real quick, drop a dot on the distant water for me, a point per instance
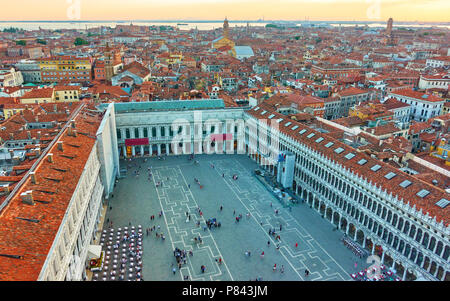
(186, 25)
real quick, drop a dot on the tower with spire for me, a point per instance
(226, 29)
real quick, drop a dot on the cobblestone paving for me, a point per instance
(136, 199)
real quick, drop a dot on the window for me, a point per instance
(350, 156)
(329, 144)
(423, 193)
(376, 167)
(390, 175)
(338, 150)
(362, 162)
(442, 203)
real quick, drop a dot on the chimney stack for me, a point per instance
(27, 197)
(33, 177)
(39, 135)
(6, 188)
(11, 136)
(60, 145)
(50, 158)
(73, 123)
(29, 134)
(74, 132)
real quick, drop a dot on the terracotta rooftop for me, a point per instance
(32, 240)
(409, 194)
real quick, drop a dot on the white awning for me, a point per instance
(94, 251)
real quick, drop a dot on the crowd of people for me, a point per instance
(123, 257)
(375, 273)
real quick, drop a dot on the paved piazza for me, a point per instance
(136, 199)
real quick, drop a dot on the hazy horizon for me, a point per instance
(237, 10)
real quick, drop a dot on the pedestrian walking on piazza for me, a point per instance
(274, 267)
(268, 243)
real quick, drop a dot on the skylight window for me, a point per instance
(338, 150)
(405, 183)
(310, 135)
(271, 116)
(302, 132)
(263, 112)
(256, 109)
(288, 124)
(362, 161)
(390, 175)
(319, 140)
(329, 144)
(443, 203)
(279, 120)
(376, 167)
(295, 127)
(350, 156)
(423, 193)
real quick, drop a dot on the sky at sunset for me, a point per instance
(345, 10)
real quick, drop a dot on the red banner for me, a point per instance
(221, 137)
(136, 142)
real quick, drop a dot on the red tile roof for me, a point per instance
(31, 240)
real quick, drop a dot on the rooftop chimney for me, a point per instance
(33, 177)
(73, 123)
(6, 188)
(50, 158)
(39, 135)
(29, 134)
(27, 197)
(60, 145)
(74, 132)
(11, 136)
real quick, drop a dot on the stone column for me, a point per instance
(133, 151)
(167, 148)
(142, 150)
(159, 149)
(404, 273)
(382, 256)
(124, 151)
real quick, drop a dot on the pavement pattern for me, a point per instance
(307, 241)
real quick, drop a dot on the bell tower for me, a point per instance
(226, 29)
